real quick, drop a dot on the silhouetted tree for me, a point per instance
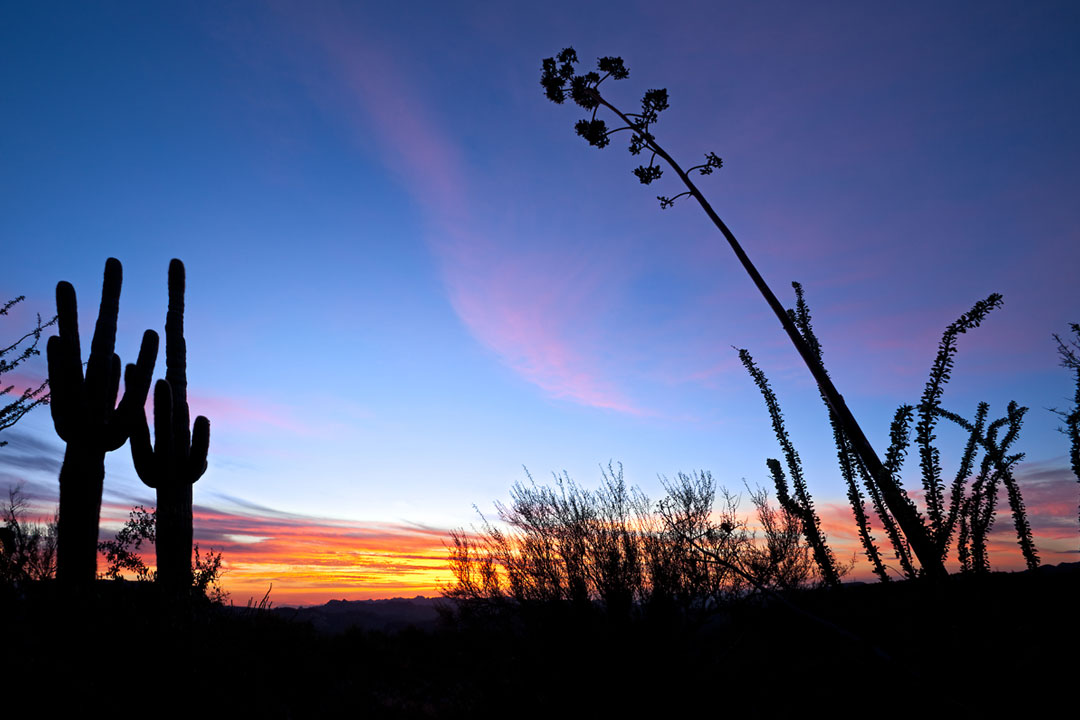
(696, 546)
(27, 548)
(88, 419)
(559, 81)
(12, 357)
(141, 527)
(122, 552)
(783, 560)
(1069, 352)
(178, 457)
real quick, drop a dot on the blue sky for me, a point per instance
(407, 277)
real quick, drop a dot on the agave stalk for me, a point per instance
(558, 80)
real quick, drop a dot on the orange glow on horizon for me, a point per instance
(311, 560)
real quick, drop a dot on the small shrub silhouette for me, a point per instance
(122, 552)
(27, 548)
(559, 81)
(178, 457)
(141, 527)
(88, 419)
(614, 551)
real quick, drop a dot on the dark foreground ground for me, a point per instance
(986, 646)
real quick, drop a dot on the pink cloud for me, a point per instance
(244, 412)
(20, 382)
(386, 101)
(522, 307)
(534, 317)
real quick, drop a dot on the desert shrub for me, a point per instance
(123, 559)
(614, 551)
(27, 548)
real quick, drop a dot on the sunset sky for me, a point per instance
(407, 278)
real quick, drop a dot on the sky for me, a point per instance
(408, 280)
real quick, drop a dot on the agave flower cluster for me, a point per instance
(559, 81)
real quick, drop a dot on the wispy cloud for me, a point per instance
(533, 315)
(531, 309)
(245, 412)
(27, 451)
(308, 559)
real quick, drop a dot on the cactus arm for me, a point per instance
(63, 385)
(104, 341)
(164, 446)
(176, 357)
(139, 376)
(142, 452)
(200, 447)
(67, 315)
(100, 363)
(112, 390)
(137, 379)
(65, 363)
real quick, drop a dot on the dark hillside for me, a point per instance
(966, 646)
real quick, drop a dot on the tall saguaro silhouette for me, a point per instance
(178, 456)
(88, 419)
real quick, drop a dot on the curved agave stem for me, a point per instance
(905, 514)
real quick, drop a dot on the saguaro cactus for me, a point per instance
(178, 456)
(87, 418)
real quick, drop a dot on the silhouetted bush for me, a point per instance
(614, 552)
(124, 561)
(27, 548)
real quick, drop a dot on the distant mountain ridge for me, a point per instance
(390, 615)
